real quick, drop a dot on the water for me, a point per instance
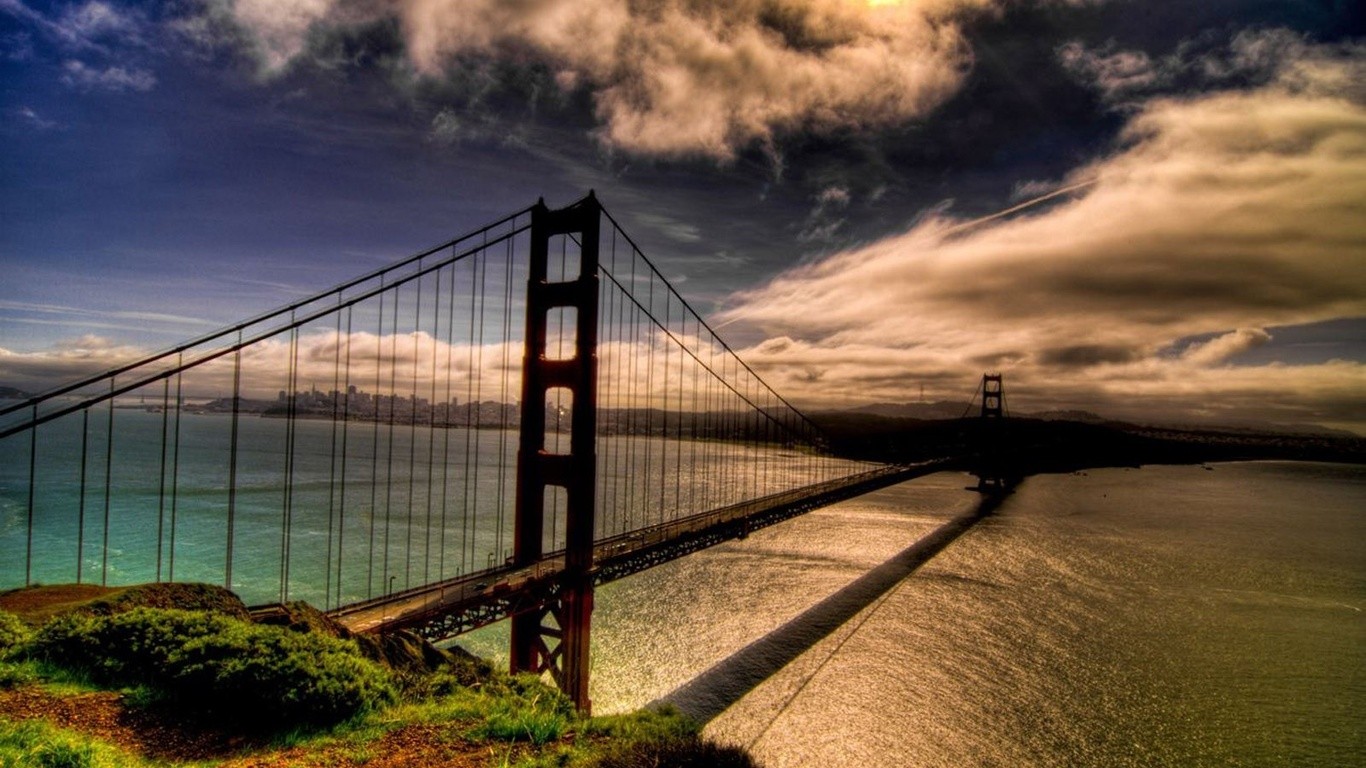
(1164, 616)
(353, 511)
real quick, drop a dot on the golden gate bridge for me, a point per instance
(506, 421)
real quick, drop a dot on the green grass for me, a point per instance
(36, 744)
(15, 675)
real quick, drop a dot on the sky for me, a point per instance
(1152, 210)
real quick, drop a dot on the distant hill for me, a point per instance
(1253, 427)
(1083, 417)
(1053, 445)
(947, 409)
(942, 409)
(10, 393)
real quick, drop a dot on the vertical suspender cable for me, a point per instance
(232, 459)
(335, 396)
(503, 475)
(693, 474)
(108, 486)
(32, 478)
(161, 484)
(471, 415)
(431, 430)
(478, 396)
(291, 410)
(345, 442)
(175, 465)
(80, 514)
(392, 399)
(450, 410)
(412, 437)
(374, 446)
(664, 414)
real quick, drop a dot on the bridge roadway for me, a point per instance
(449, 608)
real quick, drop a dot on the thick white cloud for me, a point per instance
(280, 26)
(647, 370)
(66, 361)
(1235, 210)
(681, 77)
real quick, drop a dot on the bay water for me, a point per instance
(1117, 617)
(1163, 616)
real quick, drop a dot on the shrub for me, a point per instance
(279, 676)
(460, 671)
(263, 676)
(126, 648)
(13, 633)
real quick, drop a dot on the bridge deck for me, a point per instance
(454, 606)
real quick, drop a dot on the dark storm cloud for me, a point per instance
(1084, 355)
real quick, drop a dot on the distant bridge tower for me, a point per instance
(992, 465)
(992, 396)
(570, 604)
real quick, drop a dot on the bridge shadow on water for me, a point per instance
(712, 692)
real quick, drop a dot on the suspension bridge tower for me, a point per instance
(559, 647)
(992, 465)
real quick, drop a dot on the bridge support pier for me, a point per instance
(559, 647)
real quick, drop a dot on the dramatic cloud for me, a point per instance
(680, 77)
(435, 369)
(1237, 210)
(78, 75)
(86, 24)
(280, 26)
(66, 361)
(825, 220)
(1223, 348)
(1113, 72)
(1251, 57)
(92, 25)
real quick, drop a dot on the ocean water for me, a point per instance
(1164, 616)
(1181, 616)
(354, 510)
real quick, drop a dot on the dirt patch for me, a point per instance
(38, 604)
(103, 714)
(35, 605)
(412, 746)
